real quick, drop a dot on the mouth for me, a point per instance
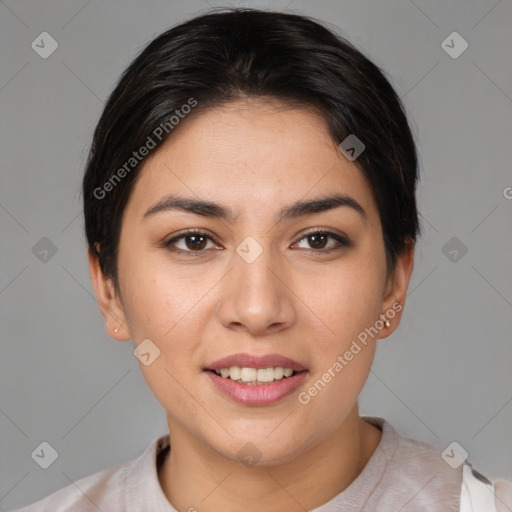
(256, 380)
(255, 376)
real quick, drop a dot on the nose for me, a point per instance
(257, 296)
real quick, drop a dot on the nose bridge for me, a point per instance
(257, 297)
(253, 263)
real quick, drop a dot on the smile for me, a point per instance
(253, 392)
(256, 380)
(255, 376)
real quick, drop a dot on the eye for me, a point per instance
(318, 240)
(193, 241)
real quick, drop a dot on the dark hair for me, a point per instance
(226, 55)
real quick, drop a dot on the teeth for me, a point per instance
(235, 372)
(247, 375)
(278, 373)
(264, 375)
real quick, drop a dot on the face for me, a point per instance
(254, 281)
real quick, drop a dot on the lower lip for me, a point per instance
(258, 394)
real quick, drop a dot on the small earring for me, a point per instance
(116, 329)
(387, 323)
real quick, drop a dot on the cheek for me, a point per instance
(346, 301)
(345, 306)
(342, 353)
(159, 297)
(172, 317)
(171, 310)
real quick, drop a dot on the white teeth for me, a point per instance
(246, 375)
(235, 372)
(264, 375)
(278, 373)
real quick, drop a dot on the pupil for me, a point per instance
(196, 245)
(315, 244)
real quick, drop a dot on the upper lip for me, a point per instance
(250, 361)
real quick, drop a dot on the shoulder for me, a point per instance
(421, 475)
(416, 476)
(104, 490)
(87, 493)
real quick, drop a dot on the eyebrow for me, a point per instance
(213, 210)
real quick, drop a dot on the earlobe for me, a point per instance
(108, 302)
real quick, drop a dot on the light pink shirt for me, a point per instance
(403, 474)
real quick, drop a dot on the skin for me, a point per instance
(254, 157)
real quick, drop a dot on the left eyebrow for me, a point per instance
(213, 210)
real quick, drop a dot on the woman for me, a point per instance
(250, 214)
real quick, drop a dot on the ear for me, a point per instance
(396, 290)
(108, 301)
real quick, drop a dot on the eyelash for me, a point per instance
(342, 241)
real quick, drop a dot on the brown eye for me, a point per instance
(191, 242)
(194, 242)
(318, 241)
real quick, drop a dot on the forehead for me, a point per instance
(250, 154)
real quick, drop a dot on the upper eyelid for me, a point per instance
(174, 238)
(312, 231)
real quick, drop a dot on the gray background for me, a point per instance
(445, 374)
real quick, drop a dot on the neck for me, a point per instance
(193, 476)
